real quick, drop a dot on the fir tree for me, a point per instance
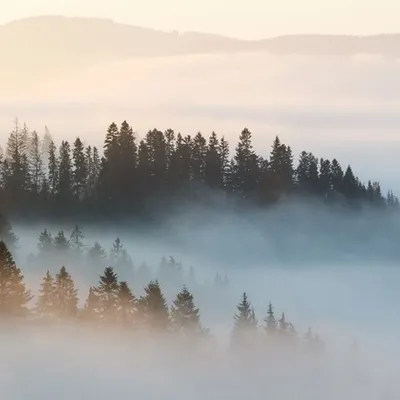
(270, 320)
(66, 295)
(107, 291)
(6, 233)
(92, 306)
(245, 322)
(154, 307)
(53, 173)
(14, 296)
(80, 173)
(45, 243)
(36, 163)
(76, 240)
(185, 317)
(45, 305)
(61, 243)
(126, 303)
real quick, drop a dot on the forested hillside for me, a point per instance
(131, 177)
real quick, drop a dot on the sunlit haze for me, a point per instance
(250, 19)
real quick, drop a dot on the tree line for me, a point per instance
(111, 303)
(40, 178)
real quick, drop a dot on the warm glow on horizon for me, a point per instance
(251, 19)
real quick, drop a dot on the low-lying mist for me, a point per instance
(330, 269)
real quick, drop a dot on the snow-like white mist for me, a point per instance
(329, 269)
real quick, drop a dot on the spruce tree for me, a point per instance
(185, 317)
(91, 309)
(76, 240)
(270, 321)
(126, 303)
(154, 308)
(53, 168)
(46, 302)
(45, 243)
(66, 295)
(107, 292)
(97, 255)
(6, 233)
(61, 243)
(36, 163)
(14, 296)
(80, 172)
(245, 322)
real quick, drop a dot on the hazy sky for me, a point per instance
(247, 19)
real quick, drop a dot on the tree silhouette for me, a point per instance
(66, 295)
(46, 301)
(154, 308)
(14, 296)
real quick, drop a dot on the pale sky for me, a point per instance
(238, 18)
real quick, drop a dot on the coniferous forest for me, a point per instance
(130, 177)
(96, 289)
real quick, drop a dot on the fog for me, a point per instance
(343, 107)
(332, 270)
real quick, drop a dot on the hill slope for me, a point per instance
(44, 46)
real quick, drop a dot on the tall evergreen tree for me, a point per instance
(185, 317)
(36, 170)
(14, 296)
(92, 306)
(6, 233)
(107, 291)
(271, 325)
(45, 243)
(66, 295)
(65, 173)
(126, 303)
(76, 240)
(245, 322)
(53, 169)
(80, 172)
(46, 302)
(61, 243)
(154, 308)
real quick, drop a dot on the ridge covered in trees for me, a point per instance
(41, 178)
(111, 303)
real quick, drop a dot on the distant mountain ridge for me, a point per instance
(42, 45)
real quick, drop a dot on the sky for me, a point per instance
(242, 19)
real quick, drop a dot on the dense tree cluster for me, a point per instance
(38, 177)
(111, 303)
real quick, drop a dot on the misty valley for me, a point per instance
(172, 266)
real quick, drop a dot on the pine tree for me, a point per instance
(45, 306)
(154, 308)
(92, 306)
(270, 321)
(213, 172)
(97, 255)
(245, 322)
(53, 169)
(185, 317)
(76, 240)
(45, 243)
(14, 296)
(61, 243)
(107, 291)
(116, 251)
(36, 170)
(17, 158)
(65, 172)
(80, 173)
(66, 295)
(126, 303)
(6, 233)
